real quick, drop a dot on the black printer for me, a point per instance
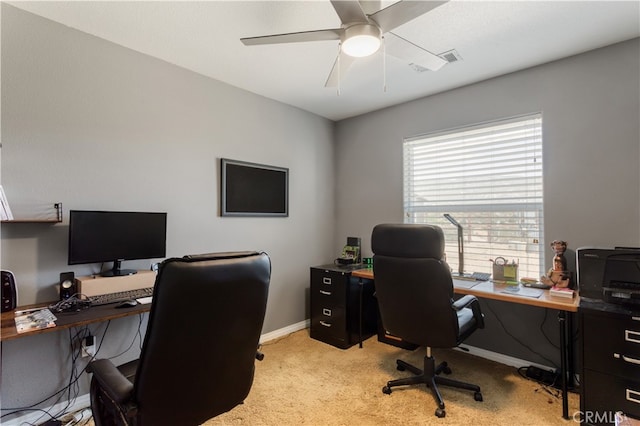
(610, 275)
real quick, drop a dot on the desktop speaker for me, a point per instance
(68, 285)
(9, 291)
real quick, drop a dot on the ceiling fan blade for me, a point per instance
(349, 11)
(411, 53)
(370, 6)
(319, 35)
(402, 12)
(334, 76)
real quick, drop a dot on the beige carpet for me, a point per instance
(302, 381)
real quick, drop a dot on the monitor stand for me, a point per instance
(117, 271)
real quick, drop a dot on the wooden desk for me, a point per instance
(69, 319)
(490, 290)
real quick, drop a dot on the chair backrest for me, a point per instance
(413, 285)
(198, 355)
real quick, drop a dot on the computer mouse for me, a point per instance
(127, 304)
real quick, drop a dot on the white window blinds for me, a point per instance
(489, 179)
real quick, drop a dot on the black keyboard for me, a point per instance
(121, 296)
(481, 276)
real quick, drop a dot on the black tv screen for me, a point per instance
(249, 189)
(114, 236)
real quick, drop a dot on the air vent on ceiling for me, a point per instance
(451, 56)
(417, 68)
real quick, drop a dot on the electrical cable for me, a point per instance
(546, 315)
(72, 388)
(57, 394)
(516, 339)
(73, 380)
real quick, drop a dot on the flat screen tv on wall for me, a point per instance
(249, 189)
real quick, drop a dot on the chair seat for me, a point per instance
(128, 370)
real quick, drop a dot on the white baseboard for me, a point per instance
(284, 331)
(501, 358)
(83, 400)
(37, 417)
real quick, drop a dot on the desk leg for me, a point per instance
(562, 320)
(361, 285)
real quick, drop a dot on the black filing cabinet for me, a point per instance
(343, 309)
(610, 378)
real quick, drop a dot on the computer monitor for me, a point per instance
(114, 236)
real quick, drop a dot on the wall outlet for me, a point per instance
(89, 346)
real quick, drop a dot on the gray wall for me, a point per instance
(591, 132)
(93, 125)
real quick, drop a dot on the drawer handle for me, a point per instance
(635, 393)
(326, 312)
(631, 360)
(629, 333)
(326, 280)
(326, 293)
(326, 324)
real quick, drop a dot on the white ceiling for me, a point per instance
(492, 38)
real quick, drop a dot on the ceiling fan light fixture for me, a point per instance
(361, 40)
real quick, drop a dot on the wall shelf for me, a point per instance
(57, 219)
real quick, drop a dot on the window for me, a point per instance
(489, 179)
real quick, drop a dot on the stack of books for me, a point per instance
(565, 292)
(5, 211)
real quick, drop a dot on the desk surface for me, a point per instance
(69, 319)
(491, 290)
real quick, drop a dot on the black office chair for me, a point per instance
(414, 289)
(197, 359)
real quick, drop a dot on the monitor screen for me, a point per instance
(114, 236)
(249, 189)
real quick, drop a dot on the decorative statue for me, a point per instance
(558, 276)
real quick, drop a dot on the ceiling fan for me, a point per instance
(362, 34)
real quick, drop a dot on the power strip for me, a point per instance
(549, 378)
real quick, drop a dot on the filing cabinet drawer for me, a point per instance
(329, 287)
(328, 295)
(329, 326)
(604, 394)
(331, 321)
(613, 344)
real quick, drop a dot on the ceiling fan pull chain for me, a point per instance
(338, 65)
(384, 65)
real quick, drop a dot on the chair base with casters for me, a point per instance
(429, 376)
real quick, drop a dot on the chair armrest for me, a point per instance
(111, 380)
(469, 301)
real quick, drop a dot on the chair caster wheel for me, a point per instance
(386, 390)
(477, 396)
(446, 370)
(440, 413)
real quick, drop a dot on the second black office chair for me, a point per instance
(198, 356)
(414, 289)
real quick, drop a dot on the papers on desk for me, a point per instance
(464, 283)
(144, 300)
(35, 320)
(522, 291)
